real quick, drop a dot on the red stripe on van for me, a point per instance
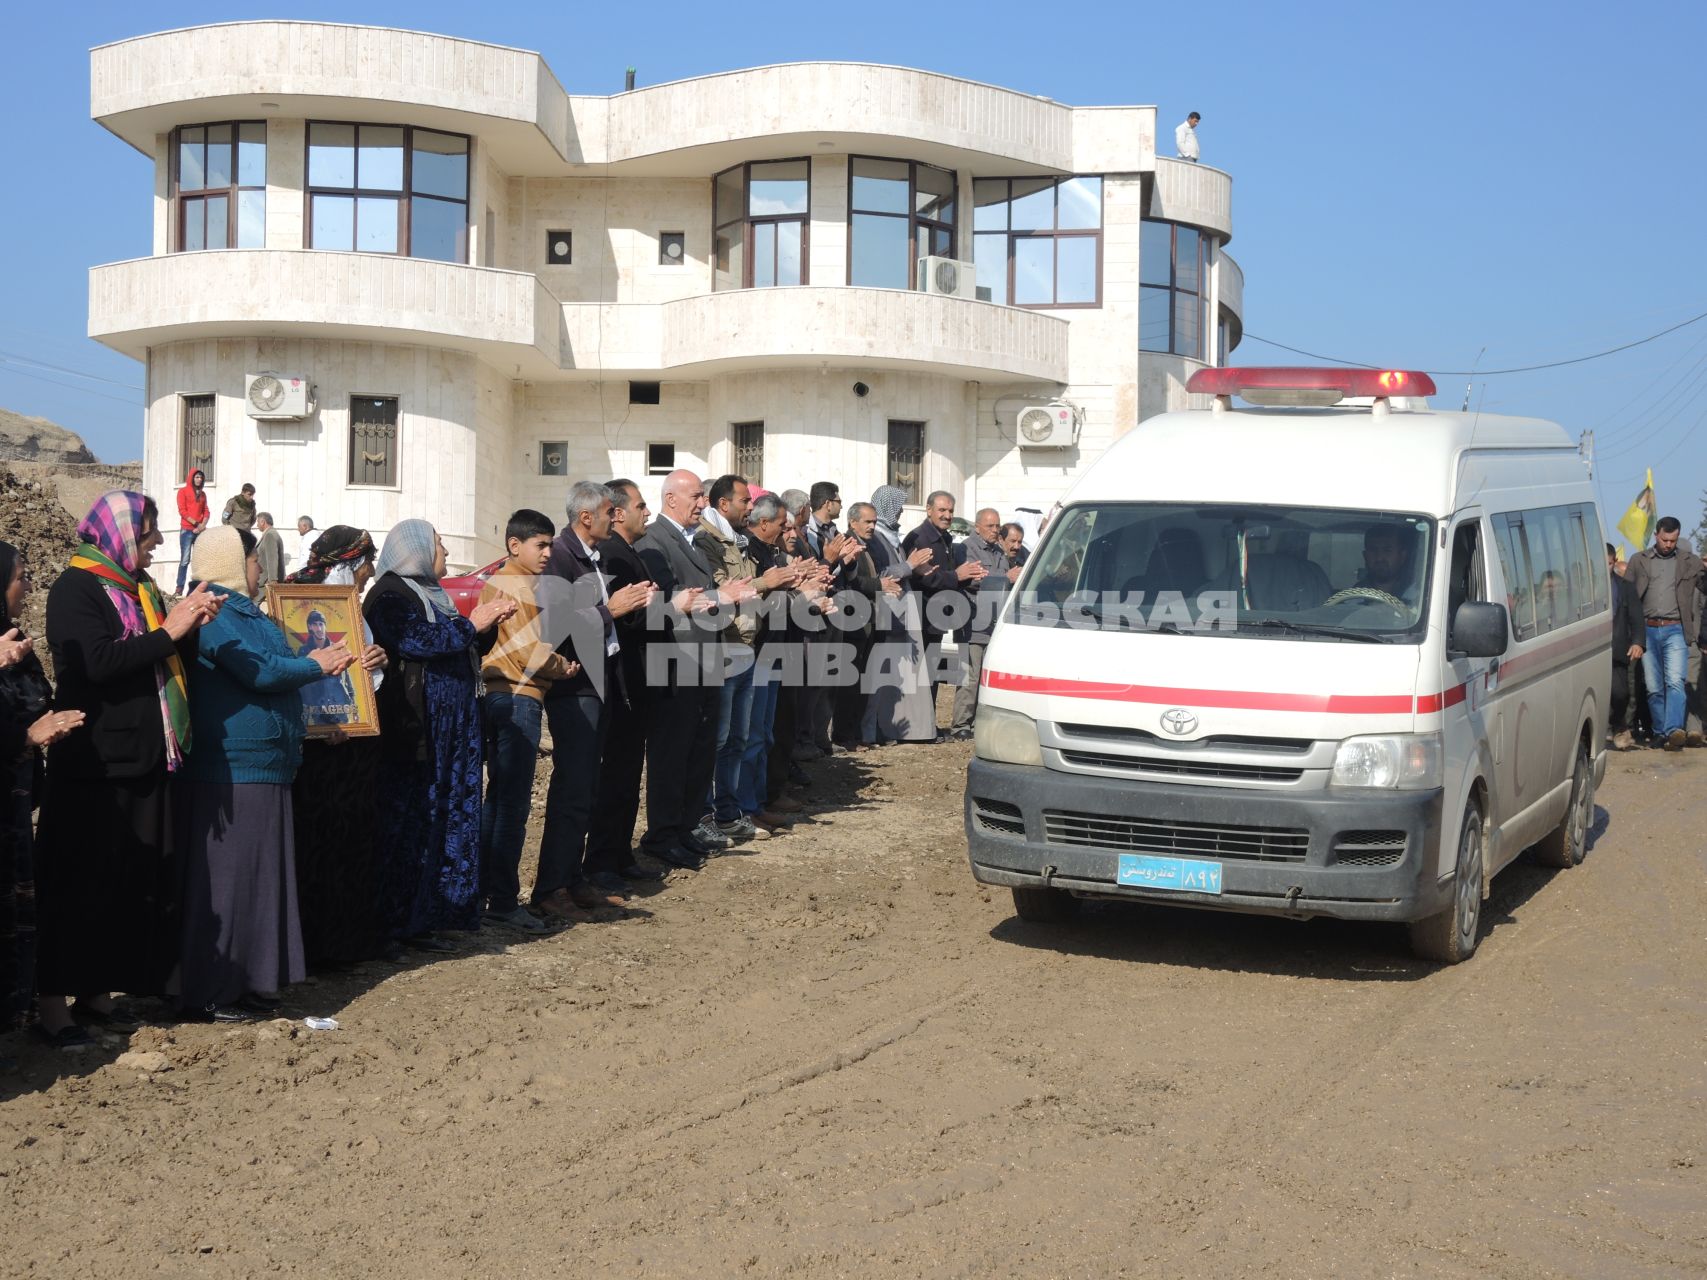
(1234, 699)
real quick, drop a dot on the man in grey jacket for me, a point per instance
(984, 548)
(1665, 579)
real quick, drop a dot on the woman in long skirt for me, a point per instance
(428, 788)
(241, 940)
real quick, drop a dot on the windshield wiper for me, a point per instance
(1317, 629)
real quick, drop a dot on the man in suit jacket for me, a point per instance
(681, 738)
(1629, 632)
(860, 578)
(576, 709)
(940, 580)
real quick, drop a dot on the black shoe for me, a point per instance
(798, 776)
(704, 849)
(68, 1038)
(634, 873)
(427, 942)
(961, 735)
(218, 1013)
(610, 882)
(678, 856)
(120, 1018)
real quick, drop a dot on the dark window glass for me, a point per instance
(406, 190)
(199, 436)
(750, 451)
(219, 158)
(373, 440)
(1188, 251)
(660, 459)
(1173, 265)
(906, 457)
(644, 392)
(933, 193)
(220, 185)
(554, 458)
(672, 248)
(559, 248)
(1156, 253)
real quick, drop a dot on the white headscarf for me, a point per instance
(411, 548)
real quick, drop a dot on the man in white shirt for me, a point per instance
(1185, 138)
(296, 551)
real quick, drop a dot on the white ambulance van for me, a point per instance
(1330, 654)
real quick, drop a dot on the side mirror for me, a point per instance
(1479, 630)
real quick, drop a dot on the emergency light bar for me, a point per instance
(1308, 387)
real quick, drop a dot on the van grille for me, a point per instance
(1369, 848)
(1186, 768)
(999, 816)
(1187, 839)
(1143, 737)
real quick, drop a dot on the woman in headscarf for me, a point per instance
(428, 789)
(108, 881)
(900, 709)
(241, 940)
(28, 723)
(337, 884)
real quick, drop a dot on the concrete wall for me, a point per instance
(615, 225)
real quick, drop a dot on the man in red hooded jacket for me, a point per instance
(192, 519)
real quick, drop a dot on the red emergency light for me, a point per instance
(1305, 386)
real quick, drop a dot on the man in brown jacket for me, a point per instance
(1665, 579)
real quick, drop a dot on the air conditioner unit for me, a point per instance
(1047, 426)
(946, 275)
(277, 396)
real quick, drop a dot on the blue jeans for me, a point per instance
(512, 749)
(1664, 664)
(734, 714)
(750, 791)
(186, 540)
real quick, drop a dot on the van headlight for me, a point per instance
(1005, 737)
(1393, 762)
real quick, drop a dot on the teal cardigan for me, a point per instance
(245, 711)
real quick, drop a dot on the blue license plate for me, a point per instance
(1184, 875)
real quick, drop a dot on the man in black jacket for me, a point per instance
(1627, 626)
(940, 581)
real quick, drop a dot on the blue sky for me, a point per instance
(1412, 185)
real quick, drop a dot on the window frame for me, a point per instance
(914, 491)
(181, 198)
(660, 469)
(187, 457)
(740, 450)
(1206, 341)
(540, 467)
(396, 482)
(748, 221)
(912, 218)
(1055, 234)
(405, 195)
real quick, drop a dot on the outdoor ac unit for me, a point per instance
(1046, 426)
(945, 275)
(277, 395)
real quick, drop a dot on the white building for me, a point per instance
(489, 286)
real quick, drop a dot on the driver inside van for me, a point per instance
(1387, 561)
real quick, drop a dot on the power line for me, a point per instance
(13, 357)
(1486, 373)
(69, 386)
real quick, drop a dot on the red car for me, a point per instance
(465, 591)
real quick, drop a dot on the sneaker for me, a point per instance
(738, 830)
(517, 917)
(961, 735)
(1675, 740)
(707, 834)
(1623, 740)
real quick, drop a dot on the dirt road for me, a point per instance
(837, 1056)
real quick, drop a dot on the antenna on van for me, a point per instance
(1472, 379)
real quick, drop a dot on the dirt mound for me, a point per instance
(38, 439)
(33, 519)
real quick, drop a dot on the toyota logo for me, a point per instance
(1178, 721)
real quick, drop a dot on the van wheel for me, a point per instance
(1451, 935)
(1567, 844)
(1044, 906)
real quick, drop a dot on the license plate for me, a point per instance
(1184, 875)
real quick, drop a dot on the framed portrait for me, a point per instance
(317, 617)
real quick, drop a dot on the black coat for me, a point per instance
(569, 561)
(623, 567)
(1629, 626)
(936, 577)
(110, 678)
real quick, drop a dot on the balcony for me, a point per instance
(1194, 194)
(506, 316)
(808, 327)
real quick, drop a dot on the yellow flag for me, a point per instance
(1638, 521)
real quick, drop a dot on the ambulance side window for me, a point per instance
(1468, 580)
(1514, 569)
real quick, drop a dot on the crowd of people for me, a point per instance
(1659, 599)
(194, 845)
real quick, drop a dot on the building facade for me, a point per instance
(460, 287)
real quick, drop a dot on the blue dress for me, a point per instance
(428, 783)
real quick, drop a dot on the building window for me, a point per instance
(750, 451)
(898, 212)
(382, 188)
(759, 224)
(559, 248)
(199, 433)
(644, 392)
(373, 440)
(672, 248)
(906, 456)
(1173, 272)
(554, 458)
(1037, 242)
(219, 185)
(660, 459)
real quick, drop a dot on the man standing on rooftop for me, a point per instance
(1185, 138)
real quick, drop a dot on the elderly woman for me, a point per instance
(241, 941)
(107, 873)
(337, 885)
(428, 788)
(900, 709)
(27, 724)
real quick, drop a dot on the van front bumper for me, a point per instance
(1358, 857)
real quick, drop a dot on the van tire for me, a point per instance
(1567, 844)
(1044, 906)
(1450, 936)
